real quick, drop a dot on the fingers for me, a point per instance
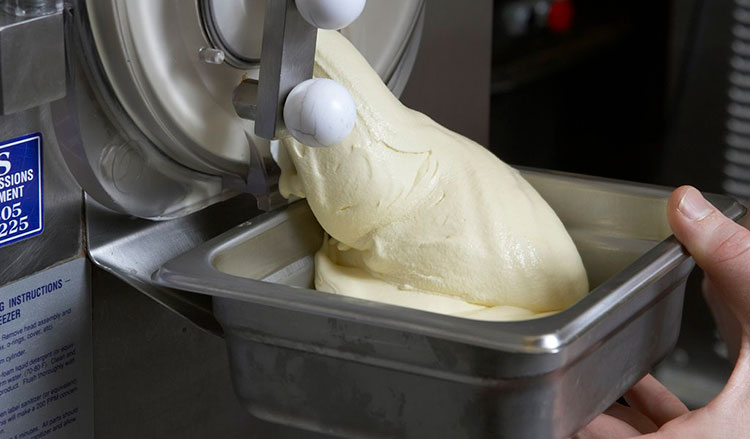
(719, 245)
(651, 398)
(735, 397)
(607, 427)
(632, 417)
(726, 321)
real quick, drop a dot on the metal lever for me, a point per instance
(287, 58)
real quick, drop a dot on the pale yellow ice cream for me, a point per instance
(422, 217)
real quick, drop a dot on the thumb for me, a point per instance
(720, 246)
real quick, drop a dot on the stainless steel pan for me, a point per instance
(354, 368)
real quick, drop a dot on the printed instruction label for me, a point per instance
(46, 370)
(21, 193)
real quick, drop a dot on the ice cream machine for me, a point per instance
(137, 103)
(154, 284)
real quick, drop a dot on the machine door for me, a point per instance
(148, 127)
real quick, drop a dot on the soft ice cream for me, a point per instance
(422, 217)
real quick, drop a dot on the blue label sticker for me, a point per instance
(21, 194)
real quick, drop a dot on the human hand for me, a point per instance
(722, 249)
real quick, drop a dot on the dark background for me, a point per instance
(592, 100)
(639, 91)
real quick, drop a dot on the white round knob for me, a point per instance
(330, 14)
(319, 112)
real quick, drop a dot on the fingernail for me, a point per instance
(694, 206)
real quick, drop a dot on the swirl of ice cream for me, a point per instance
(423, 217)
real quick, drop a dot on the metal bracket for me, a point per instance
(32, 61)
(288, 56)
(133, 249)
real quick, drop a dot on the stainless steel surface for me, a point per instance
(245, 99)
(288, 56)
(450, 80)
(357, 368)
(146, 54)
(156, 376)
(31, 8)
(162, 149)
(63, 203)
(120, 168)
(61, 241)
(236, 28)
(32, 61)
(263, 178)
(110, 157)
(132, 249)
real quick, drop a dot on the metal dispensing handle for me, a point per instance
(287, 58)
